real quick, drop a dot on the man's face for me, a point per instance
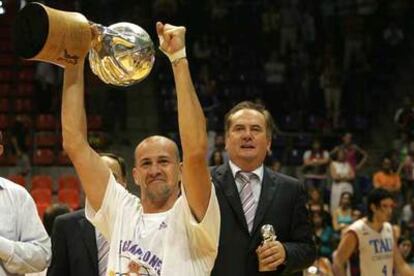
(383, 212)
(157, 169)
(116, 170)
(386, 165)
(347, 139)
(405, 248)
(246, 140)
(219, 141)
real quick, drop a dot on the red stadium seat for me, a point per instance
(42, 198)
(46, 139)
(70, 197)
(42, 182)
(45, 122)
(68, 182)
(43, 157)
(19, 179)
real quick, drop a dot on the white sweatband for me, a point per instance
(174, 57)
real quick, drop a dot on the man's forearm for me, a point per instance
(192, 123)
(74, 129)
(25, 257)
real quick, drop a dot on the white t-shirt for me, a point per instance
(376, 255)
(168, 243)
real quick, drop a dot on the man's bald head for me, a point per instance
(157, 141)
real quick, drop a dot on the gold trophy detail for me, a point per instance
(121, 54)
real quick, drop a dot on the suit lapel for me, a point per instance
(89, 238)
(268, 191)
(225, 180)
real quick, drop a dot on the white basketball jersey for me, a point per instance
(375, 249)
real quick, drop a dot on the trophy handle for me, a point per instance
(46, 34)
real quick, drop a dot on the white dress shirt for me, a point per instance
(24, 244)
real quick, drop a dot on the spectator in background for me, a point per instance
(353, 154)
(276, 165)
(322, 266)
(387, 178)
(404, 117)
(407, 216)
(342, 175)
(24, 243)
(406, 171)
(216, 158)
(89, 257)
(289, 27)
(275, 70)
(219, 145)
(405, 245)
(315, 162)
(331, 83)
(316, 203)
(342, 216)
(51, 213)
(325, 234)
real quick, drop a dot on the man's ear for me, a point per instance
(1, 150)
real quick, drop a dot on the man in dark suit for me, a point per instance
(75, 241)
(251, 195)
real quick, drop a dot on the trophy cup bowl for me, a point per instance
(121, 54)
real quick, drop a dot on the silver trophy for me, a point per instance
(121, 54)
(312, 271)
(268, 235)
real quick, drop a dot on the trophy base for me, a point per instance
(50, 35)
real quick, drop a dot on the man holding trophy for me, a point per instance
(173, 228)
(265, 227)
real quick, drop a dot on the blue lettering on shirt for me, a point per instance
(381, 245)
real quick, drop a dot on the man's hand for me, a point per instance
(271, 254)
(172, 40)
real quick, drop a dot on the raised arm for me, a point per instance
(192, 124)
(93, 173)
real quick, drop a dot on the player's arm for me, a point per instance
(93, 173)
(192, 123)
(347, 246)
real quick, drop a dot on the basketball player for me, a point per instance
(374, 238)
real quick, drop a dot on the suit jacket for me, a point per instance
(282, 204)
(74, 251)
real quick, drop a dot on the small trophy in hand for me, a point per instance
(268, 235)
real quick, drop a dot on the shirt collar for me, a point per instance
(258, 171)
(2, 186)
